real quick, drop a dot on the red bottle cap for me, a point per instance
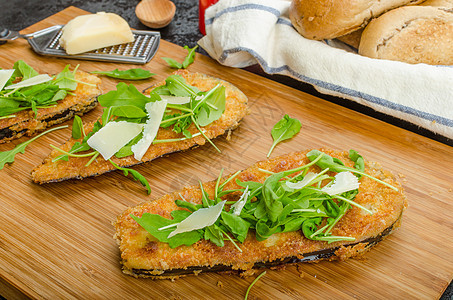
(203, 5)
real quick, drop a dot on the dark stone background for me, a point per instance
(183, 30)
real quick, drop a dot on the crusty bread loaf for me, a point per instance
(412, 34)
(352, 39)
(327, 19)
(448, 4)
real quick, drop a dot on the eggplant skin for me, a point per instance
(236, 107)
(25, 122)
(143, 256)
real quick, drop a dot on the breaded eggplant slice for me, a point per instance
(74, 168)
(25, 122)
(144, 256)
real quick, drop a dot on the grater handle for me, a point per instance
(8, 35)
(3, 33)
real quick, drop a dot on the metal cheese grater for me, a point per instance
(46, 42)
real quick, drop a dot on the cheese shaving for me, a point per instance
(344, 182)
(175, 99)
(38, 79)
(155, 112)
(239, 205)
(113, 136)
(199, 219)
(5, 75)
(308, 178)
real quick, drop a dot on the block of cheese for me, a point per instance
(90, 32)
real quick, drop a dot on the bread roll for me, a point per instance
(328, 19)
(412, 34)
(448, 4)
(352, 39)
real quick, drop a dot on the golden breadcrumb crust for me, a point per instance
(235, 110)
(83, 100)
(140, 251)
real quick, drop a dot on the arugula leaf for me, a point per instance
(152, 223)
(80, 147)
(214, 234)
(185, 238)
(252, 284)
(190, 56)
(130, 74)
(7, 157)
(22, 69)
(135, 175)
(285, 129)
(359, 161)
(77, 147)
(327, 161)
(178, 86)
(237, 225)
(107, 114)
(172, 63)
(124, 95)
(214, 108)
(128, 111)
(271, 203)
(96, 127)
(310, 226)
(263, 231)
(336, 165)
(293, 224)
(66, 80)
(60, 95)
(252, 185)
(8, 104)
(77, 127)
(188, 60)
(127, 149)
(186, 205)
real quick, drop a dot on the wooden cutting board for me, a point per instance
(56, 239)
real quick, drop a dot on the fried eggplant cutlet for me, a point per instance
(82, 100)
(284, 218)
(169, 139)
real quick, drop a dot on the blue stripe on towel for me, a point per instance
(341, 89)
(272, 10)
(284, 21)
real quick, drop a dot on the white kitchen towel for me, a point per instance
(241, 33)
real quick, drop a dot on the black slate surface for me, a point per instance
(183, 30)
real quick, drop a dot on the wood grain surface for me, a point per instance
(56, 239)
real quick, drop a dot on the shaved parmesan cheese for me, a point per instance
(175, 99)
(239, 205)
(199, 219)
(303, 183)
(343, 182)
(113, 136)
(38, 79)
(155, 112)
(5, 75)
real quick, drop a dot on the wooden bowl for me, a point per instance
(155, 13)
